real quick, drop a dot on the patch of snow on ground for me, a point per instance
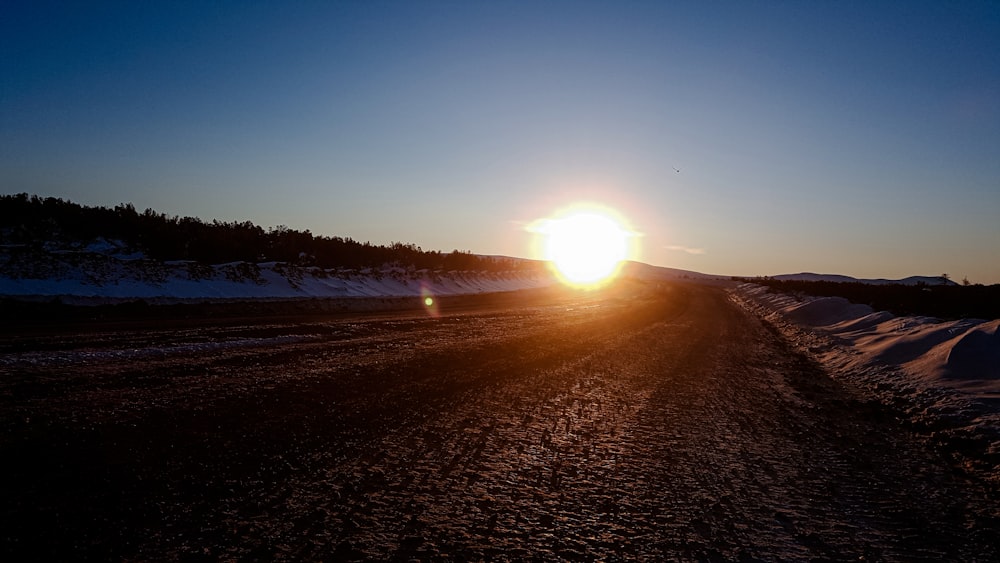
(943, 377)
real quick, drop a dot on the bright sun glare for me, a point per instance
(586, 245)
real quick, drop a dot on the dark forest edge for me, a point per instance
(941, 301)
(30, 221)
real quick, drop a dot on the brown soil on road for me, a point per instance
(655, 424)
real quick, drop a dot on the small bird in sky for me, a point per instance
(676, 169)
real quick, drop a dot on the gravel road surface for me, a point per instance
(641, 424)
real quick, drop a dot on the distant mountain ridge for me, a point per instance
(912, 280)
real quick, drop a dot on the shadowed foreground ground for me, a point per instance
(666, 424)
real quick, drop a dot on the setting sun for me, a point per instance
(586, 245)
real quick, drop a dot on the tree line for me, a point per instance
(30, 220)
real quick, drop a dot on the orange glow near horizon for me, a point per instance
(585, 244)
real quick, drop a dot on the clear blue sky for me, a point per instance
(860, 138)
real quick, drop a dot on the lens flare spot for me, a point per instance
(427, 299)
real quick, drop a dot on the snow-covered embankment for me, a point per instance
(943, 377)
(92, 276)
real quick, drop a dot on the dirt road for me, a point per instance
(664, 424)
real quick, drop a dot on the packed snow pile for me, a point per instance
(105, 272)
(944, 376)
(962, 354)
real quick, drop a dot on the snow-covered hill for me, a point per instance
(648, 272)
(106, 271)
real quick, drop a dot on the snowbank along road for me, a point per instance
(649, 424)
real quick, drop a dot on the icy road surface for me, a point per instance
(666, 424)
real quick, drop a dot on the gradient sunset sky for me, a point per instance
(859, 138)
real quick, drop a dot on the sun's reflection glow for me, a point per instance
(586, 244)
